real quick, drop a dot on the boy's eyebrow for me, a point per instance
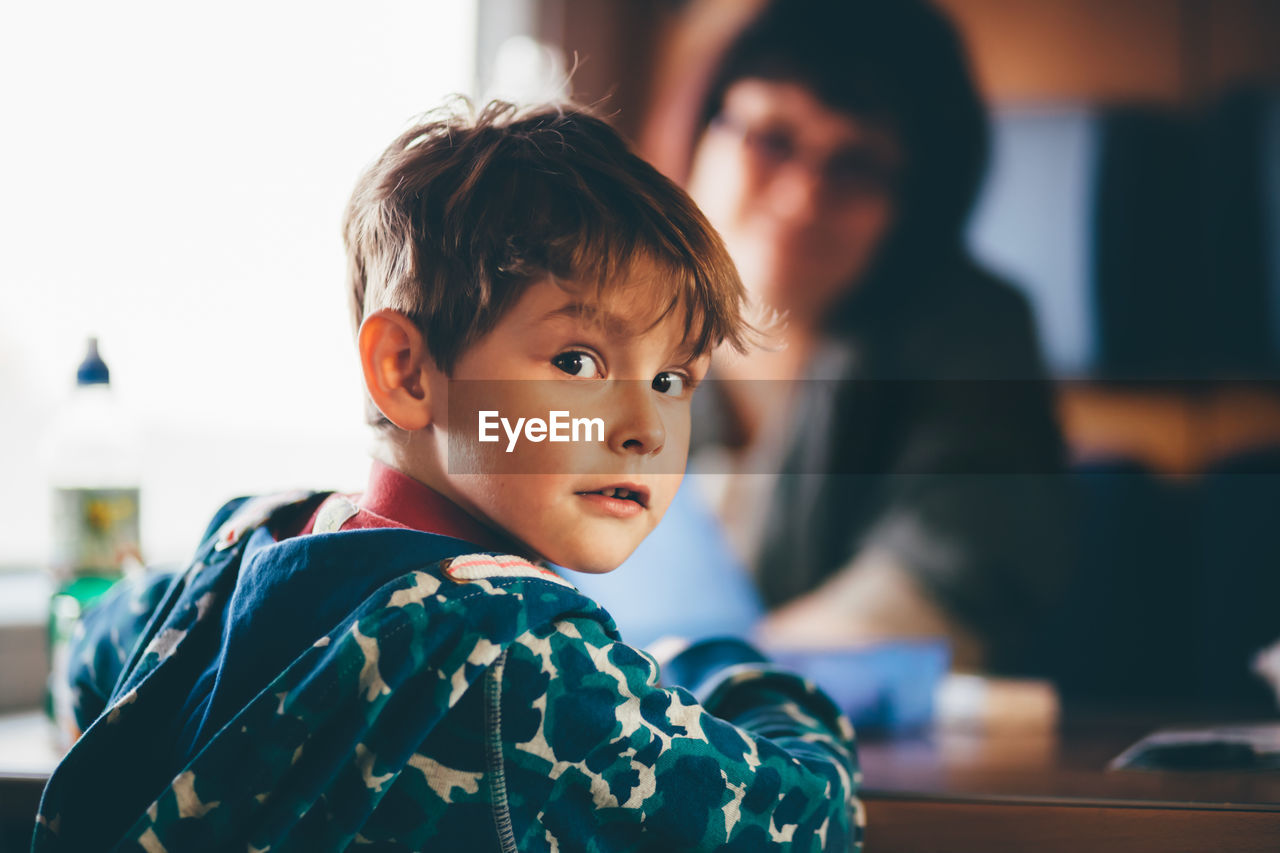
(613, 324)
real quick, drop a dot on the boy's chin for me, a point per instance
(598, 563)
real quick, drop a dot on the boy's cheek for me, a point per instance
(664, 492)
(527, 427)
(562, 532)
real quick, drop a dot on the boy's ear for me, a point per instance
(396, 363)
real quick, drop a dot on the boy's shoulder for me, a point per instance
(419, 636)
(427, 558)
(379, 575)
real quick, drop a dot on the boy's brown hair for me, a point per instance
(462, 212)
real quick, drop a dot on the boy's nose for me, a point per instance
(639, 428)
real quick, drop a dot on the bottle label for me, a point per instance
(95, 531)
(65, 608)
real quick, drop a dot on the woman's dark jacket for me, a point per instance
(926, 428)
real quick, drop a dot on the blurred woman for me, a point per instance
(906, 456)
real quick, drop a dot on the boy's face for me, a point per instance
(561, 350)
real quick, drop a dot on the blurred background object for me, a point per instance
(95, 458)
(174, 181)
(1175, 107)
(884, 492)
(1133, 195)
(173, 184)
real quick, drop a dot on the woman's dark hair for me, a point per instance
(897, 62)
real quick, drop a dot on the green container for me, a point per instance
(65, 608)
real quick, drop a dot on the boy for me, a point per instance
(396, 669)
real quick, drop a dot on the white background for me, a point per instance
(172, 179)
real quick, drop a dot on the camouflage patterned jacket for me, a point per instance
(471, 702)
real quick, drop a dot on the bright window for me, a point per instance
(172, 179)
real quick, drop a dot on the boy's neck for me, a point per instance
(403, 459)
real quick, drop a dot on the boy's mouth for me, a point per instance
(626, 492)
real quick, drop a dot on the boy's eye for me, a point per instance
(667, 382)
(576, 363)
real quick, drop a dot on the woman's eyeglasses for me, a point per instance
(848, 172)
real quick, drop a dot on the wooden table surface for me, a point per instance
(998, 791)
(944, 791)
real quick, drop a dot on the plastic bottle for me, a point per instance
(95, 461)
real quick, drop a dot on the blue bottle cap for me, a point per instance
(93, 370)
